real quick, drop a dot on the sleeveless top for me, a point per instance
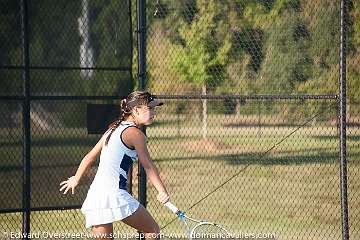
(116, 158)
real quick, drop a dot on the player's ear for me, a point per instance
(136, 110)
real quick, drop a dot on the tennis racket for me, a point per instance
(200, 229)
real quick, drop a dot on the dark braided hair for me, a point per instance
(135, 98)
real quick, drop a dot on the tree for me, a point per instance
(322, 19)
(353, 58)
(287, 61)
(163, 35)
(201, 59)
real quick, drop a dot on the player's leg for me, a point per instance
(144, 223)
(103, 231)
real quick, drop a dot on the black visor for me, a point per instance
(150, 101)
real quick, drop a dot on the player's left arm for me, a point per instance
(85, 164)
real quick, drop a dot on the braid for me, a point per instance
(125, 111)
(112, 128)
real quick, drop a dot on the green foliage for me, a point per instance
(10, 48)
(353, 77)
(355, 15)
(202, 58)
(254, 47)
(51, 42)
(10, 36)
(322, 18)
(54, 41)
(239, 47)
(181, 12)
(110, 38)
(286, 61)
(353, 59)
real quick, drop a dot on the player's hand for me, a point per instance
(163, 197)
(71, 183)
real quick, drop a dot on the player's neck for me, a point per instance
(130, 119)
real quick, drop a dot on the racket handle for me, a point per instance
(172, 207)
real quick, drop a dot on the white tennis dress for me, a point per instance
(107, 199)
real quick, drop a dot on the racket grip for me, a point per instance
(172, 207)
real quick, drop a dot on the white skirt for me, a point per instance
(104, 206)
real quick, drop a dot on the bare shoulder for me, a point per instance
(133, 132)
(133, 136)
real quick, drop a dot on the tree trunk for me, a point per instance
(86, 52)
(348, 111)
(237, 108)
(204, 113)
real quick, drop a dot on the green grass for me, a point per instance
(292, 191)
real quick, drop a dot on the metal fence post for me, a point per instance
(26, 121)
(141, 33)
(342, 120)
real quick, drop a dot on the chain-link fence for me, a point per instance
(248, 137)
(250, 134)
(56, 57)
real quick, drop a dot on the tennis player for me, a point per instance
(107, 200)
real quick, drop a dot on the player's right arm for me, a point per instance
(133, 137)
(85, 164)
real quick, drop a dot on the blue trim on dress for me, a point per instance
(125, 165)
(122, 183)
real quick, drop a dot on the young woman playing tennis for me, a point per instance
(107, 199)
